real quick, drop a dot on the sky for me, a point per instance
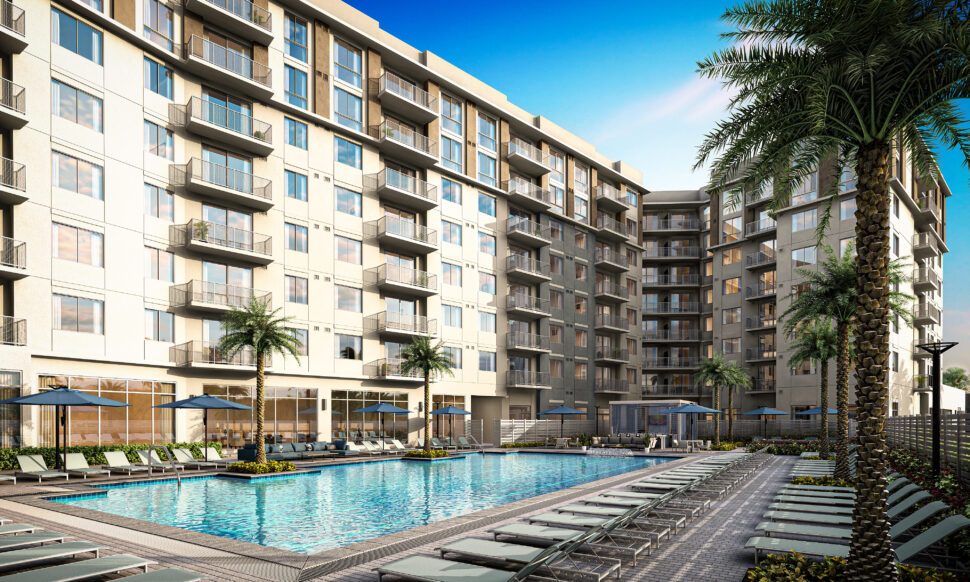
(624, 79)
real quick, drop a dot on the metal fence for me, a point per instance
(529, 431)
(916, 433)
(782, 427)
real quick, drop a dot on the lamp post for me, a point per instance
(936, 349)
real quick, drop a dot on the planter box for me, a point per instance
(264, 475)
(427, 460)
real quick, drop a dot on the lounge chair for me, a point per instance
(8, 478)
(633, 494)
(151, 460)
(213, 456)
(184, 457)
(902, 492)
(598, 568)
(465, 444)
(17, 528)
(801, 516)
(906, 504)
(844, 533)
(31, 556)
(436, 444)
(917, 517)
(34, 466)
(810, 493)
(397, 445)
(118, 463)
(81, 569)
(814, 500)
(76, 464)
(365, 451)
(29, 539)
(896, 484)
(821, 488)
(165, 575)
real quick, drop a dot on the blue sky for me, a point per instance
(622, 77)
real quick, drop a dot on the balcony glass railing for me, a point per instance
(390, 178)
(245, 10)
(406, 276)
(529, 341)
(217, 294)
(13, 174)
(759, 258)
(396, 226)
(229, 119)
(407, 90)
(527, 302)
(228, 60)
(230, 178)
(527, 150)
(404, 135)
(199, 352)
(672, 252)
(523, 263)
(526, 378)
(405, 323)
(521, 187)
(611, 224)
(759, 226)
(671, 280)
(527, 227)
(13, 331)
(221, 235)
(614, 321)
(12, 17)
(682, 335)
(608, 255)
(671, 224)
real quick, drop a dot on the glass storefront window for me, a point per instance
(290, 415)
(345, 422)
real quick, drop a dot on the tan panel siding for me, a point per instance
(593, 206)
(261, 54)
(471, 141)
(321, 67)
(504, 136)
(544, 180)
(124, 12)
(570, 201)
(432, 129)
(191, 25)
(371, 88)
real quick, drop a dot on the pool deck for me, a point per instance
(707, 550)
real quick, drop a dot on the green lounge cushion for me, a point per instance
(539, 532)
(809, 517)
(601, 500)
(41, 537)
(801, 546)
(592, 510)
(633, 494)
(164, 575)
(41, 553)
(492, 549)
(80, 570)
(818, 531)
(571, 520)
(438, 570)
(815, 500)
(16, 528)
(810, 508)
(817, 493)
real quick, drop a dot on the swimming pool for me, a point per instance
(345, 504)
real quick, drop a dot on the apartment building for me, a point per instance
(741, 263)
(165, 162)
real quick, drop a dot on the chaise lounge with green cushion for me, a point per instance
(151, 460)
(805, 517)
(38, 554)
(837, 501)
(211, 455)
(76, 464)
(35, 466)
(165, 575)
(844, 533)
(184, 457)
(633, 494)
(28, 539)
(816, 493)
(589, 567)
(81, 569)
(17, 528)
(906, 504)
(822, 488)
(118, 463)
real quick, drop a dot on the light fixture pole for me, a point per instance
(936, 349)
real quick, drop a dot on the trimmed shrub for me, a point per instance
(432, 454)
(825, 481)
(726, 446)
(517, 445)
(784, 447)
(798, 568)
(818, 458)
(95, 454)
(262, 468)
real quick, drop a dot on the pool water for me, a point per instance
(345, 504)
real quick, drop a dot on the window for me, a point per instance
(580, 305)
(159, 265)
(348, 250)
(803, 369)
(895, 408)
(555, 334)
(731, 256)
(159, 326)
(731, 201)
(75, 36)
(296, 289)
(77, 245)
(451, 153)
(347, 63)
(486, 361)
(487, 133)
(76, 106)
(486, 322)
(580, 371)
(158, 78)
(450, 191)
(732, 315)
(78, 314)
(486, 283)
(451, 274)
(555, 299)
(731, 345)
(294, 87)
(453, 354)
(555, 229)
(804, 220)
(347, 109)
(847, 209)
(78, 176)
(580, 240)
(708, 324)
(732, 285)
(731, 229)
(296, 185)
(159, 24)
(487, 169)
(451, 316)
(580, 272)
(347, 152)
(159, 141)
(295, 40)
(803, 257)
(582, 338)
(296, 237)
(347, 201)
(709, 296)
(451, 114)
(486, 204)
(895, 247)
(349, 347)
(557, 197)
(486, 244)
(349, 299)
(555, 368)
(450, 232)
(894, 359)
(847, 181)
(296, 133)
(896, 206)
(159, 203)
(555, 265)
(302, 338)
(844, 245)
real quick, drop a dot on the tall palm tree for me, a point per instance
(830, 294)
(256, 327)
(737, 378)
(718, 372)
(816, 342)
(428, 359)
(849, 80)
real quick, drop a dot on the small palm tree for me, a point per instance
(428, 359)
(717, 372)
(255, 326)
(737, 378)
(817, 342)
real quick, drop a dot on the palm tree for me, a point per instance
(718, 372)
(816, 342)
(428, 359)
(261, 330)
(851, 81)
(738, 378)
(829, 294)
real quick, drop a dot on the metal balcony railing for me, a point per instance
(672, 252)
(521, 187)
(613, 193)
(672, 390)
(12, 17)
(406, 276)
(13, 253)
(529, 302)
(611, 385)
(523, 263)
(219, 294)
(13, 331)
(755, 197)
(762, 385)
(759, 258)
(13, 174)
(927, 311)
(226, 177)
(761, 354)
(759, 226)
(761, 289)
(526, 226)
(608, 255)
(661, 362)
(12, 96)
(761, 322)
(670, 307)
(404, 135)
(609, 223)
(926, 276)
(389, 178)
(229, 119)
(407, 90)
(392, 321)
(671, 224)
(245, 10)
(199, 352)
(616, 321)
(923, 240)
(611, 288)
(525, 378)
(391, 367)
(611, 353)
(229, 237)
(671, 280)
(525, 149)
(675, 335)
(393, 225)
(524, 340)
(231, 61)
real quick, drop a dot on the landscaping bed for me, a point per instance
(95, 454)
(798, 568)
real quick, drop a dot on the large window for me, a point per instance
(347, 108)
(731, 285)
(731, 315)
(76, 36)
(349, 347)
(451, 315)
(847, 209)
(294, 86)
(486, 283)
(347, 63)
(451, 153)
(451, 115)
(487, 169)
(451, 274)
(159, 203)
(804, 220)
(159, 326)
(295, 37)
(78, 314)
(350, 299)
(76, 106)
(486, 204)
(486, 322)
(296, 185)
(450, 232)
(70, 173)
(159, 265)
(454, 354)
(78, 245)
(486, 244)
(296, 237)
(731, 256)
(296, 289)
(159, 24)
(348, 201)
(302, 336)
(158, 78)
(348, 250)
(731, 229)
(296, 133)
(487, 133)
(450, 191)
(803, 257)
(159, 141)
(486, 361)
(290, 415)
(347, 152)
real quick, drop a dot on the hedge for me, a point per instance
(432, 454)
(262, 468)
(94, 454)
(798, 568)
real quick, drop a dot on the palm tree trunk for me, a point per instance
(823, 435)
(842, 402)
(260, 409)
(717, 417)
(427, 412)
(870, 552)
(731, 414)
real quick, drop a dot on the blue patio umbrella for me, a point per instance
(817, 410)
(62, 397)
(451, 411)
(382, 408)
(691, 409)
(562, 411)
(765, 411)
(205, 402)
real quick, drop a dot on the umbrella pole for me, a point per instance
(205, 434)
(57, 437)
(382, 431)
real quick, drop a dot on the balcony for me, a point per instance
(390, 369)
(924, 245)
(527, 195)
(524, 306)
(672, 390)
(919, 353)
(754, 198)
(228, 126)
(762, 227)
(664, 363)
(926, 279)
(670, 335)
(926, 314)
(13, 331)
(761, 386)
(13, 105)
(224, 183)
(608, 259)
(674, 253)
(401, 142)
(804, 198)
(239, 17)
(404, 281)
(403, 190)
(689, 280)
(527, 269)
(671, 225)
(215, 63)
(761, 323)
(760, 355)
(208, 356)
(13, 259)
(213, 297)
(212, 238)
(526, 379)
(527, 342)
(404, 98)
(527, 158)
(393, 232)
(612, 292)
(527, 232)
(612, 199)
(613, 323)
(929, 209)
(761, 291)
(611, 386)
(611, 355)
(610, 228)
(759, 259)
(680, 307)
(13, 182)
(13, 25)
(390, 323)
